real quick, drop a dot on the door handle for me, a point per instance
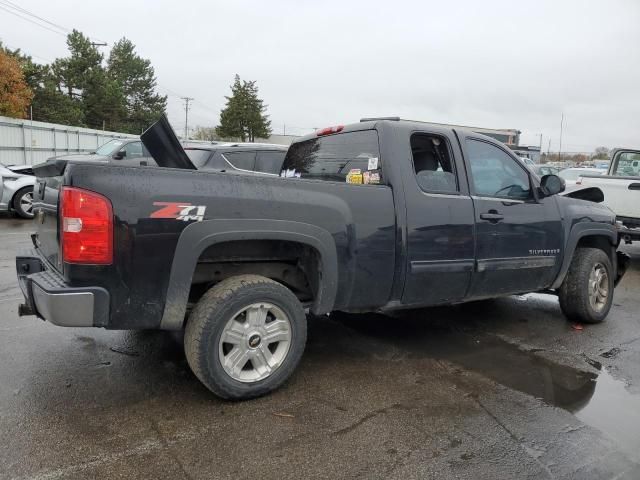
(634, 186)
(492, 216)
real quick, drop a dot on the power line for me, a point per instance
(2, 7)
(20, 12)
(23, 10)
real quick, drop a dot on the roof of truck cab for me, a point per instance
(409, 125)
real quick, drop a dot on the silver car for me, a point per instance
(16, 192)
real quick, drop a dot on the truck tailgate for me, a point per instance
(49, 178)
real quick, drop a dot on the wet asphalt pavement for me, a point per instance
(494, 390)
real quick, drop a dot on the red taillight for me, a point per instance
(87, 227)
(329, 130)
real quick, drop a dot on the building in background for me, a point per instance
(530, 152)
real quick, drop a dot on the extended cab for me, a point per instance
(375, 216)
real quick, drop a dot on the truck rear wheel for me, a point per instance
(586, 294)
(245, 337)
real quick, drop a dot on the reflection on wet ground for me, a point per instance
(615, 412)
(591, 393)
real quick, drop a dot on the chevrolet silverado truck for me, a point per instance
(621, 189)
(381, 215)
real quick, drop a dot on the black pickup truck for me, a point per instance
(380, 215)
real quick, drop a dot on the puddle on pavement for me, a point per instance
(596, 399)
(592, 395)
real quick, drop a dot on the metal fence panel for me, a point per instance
(27, 142)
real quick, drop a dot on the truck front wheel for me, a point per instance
(586, 294)
(245, 337)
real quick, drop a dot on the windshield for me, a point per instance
(109, 147)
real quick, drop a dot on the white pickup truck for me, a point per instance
(621, 188)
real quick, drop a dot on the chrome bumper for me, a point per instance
(50, 298)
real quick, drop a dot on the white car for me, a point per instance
(16, 192)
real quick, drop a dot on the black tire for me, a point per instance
(209, 318)
(18, 204)
(574, 292)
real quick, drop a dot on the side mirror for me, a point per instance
(119, 155)
(552, 184)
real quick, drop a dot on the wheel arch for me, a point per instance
(602, 236)
(199, 236)
(20, 184)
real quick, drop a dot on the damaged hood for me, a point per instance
(164, 146)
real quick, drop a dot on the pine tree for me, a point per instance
(244, 114)
(136, 77)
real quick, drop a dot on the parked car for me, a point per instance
(376, 216)
(527, 161)
(22, 169)
(621, 187)
(258, 157)
(123, 151)
(572, 175)
(16, 192)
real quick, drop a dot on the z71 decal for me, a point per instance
(179, 211)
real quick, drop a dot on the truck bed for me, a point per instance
(145, 242)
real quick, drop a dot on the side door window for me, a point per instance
(495, 174)
(627, 164)
(133, 150)
(270, 161)
(433, 164)
(241, 160)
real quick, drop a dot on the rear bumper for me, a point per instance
(50, 298)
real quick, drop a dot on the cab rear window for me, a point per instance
(351, 157)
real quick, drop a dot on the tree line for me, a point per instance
(84, 90)
(116, 93)
(600, 153)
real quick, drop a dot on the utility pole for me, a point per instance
(560, 146)
(540, 150)
(31, 134)
(95, 44)
(186, 116)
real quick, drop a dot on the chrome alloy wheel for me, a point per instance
(26, 203)
(255, 342)
(598, 287)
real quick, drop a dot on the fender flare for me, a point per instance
(198, 236)
(578, 232)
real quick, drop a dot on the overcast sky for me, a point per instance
(489, 63)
